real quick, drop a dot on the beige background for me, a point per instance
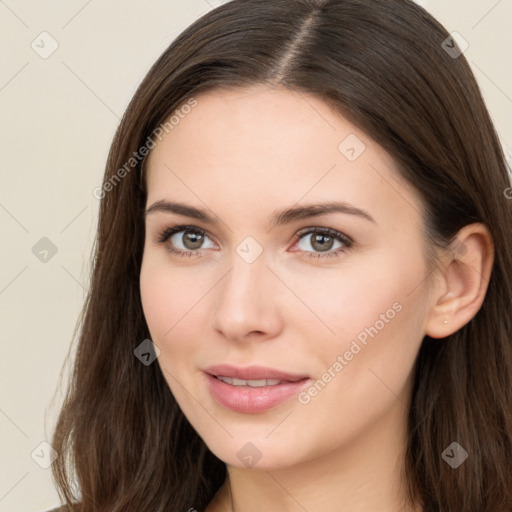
(58, 116)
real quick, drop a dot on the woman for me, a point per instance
(302, 278)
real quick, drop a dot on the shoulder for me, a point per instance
(62, 508)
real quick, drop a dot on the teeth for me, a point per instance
(251, 383)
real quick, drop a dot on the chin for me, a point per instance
(246, 452)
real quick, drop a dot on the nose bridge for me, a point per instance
(244, 301)
(243, 281)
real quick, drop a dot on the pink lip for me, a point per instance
(253, 373)
(251, 400)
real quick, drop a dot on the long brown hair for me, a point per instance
(122, 440)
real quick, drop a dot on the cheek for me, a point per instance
(340, 304)
(161, 296)
(165, 305)
(363, 371)
(154, 301)
(171, 302)
(373, 312)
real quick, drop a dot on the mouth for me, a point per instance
(252, 389)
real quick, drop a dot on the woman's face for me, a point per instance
(262, 283)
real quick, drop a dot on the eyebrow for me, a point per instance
(280, 217)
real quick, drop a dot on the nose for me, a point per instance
(247, 301)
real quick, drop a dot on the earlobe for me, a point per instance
(465, 277)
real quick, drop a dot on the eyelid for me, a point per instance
(169, 231)
(329, 231)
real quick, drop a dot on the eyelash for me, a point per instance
(340, 237)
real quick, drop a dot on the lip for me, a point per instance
(253, 373)
(251, 400)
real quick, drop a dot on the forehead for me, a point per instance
(259, 146)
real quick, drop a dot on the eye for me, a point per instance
(191, 239)
(323, 240)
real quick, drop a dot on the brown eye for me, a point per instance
(322, 240)
(192, 239)
(184, 240)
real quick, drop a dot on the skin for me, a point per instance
(242, 154)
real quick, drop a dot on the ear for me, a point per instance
(463, 281)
